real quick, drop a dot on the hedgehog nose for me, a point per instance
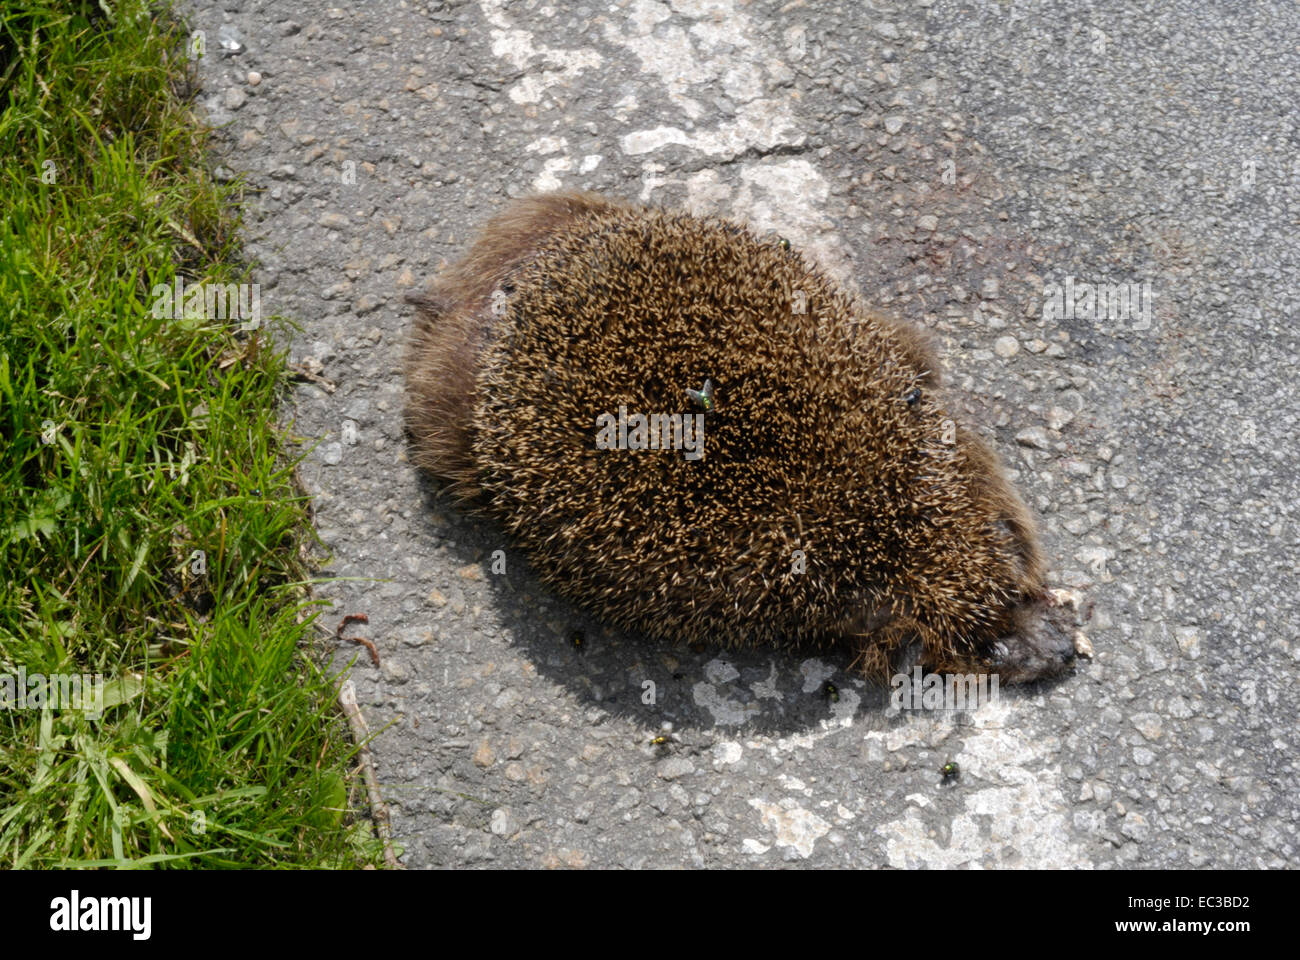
(1060, 646)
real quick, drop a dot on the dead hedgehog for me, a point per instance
(697, 435)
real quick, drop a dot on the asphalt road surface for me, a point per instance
(954, 162)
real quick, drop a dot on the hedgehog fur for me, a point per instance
(835, 501)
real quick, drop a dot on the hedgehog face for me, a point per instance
(966, 594)
(1041, 647)
(1021, 641)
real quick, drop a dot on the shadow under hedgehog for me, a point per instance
(834, 502)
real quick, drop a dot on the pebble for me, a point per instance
(675, 767)
(1149, 725)
(254, 78)
(1082, 645)
(1058, 417)
(1095, 558)
(366, 303)
(1189, 642)
(1006, 346)
(417, 637)
(893, 124)
(1135, 827)
(1034, 437)
(234, 98)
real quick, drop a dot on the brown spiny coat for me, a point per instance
(836, 502)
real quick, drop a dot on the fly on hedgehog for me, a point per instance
(829, 500)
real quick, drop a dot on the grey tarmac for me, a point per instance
(956, 163)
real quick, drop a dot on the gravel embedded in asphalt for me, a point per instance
(954, 163)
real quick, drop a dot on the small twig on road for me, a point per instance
(297, 372)
(361, 733)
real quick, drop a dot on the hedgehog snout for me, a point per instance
(1041, 646)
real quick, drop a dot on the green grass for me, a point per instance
(127, 443)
